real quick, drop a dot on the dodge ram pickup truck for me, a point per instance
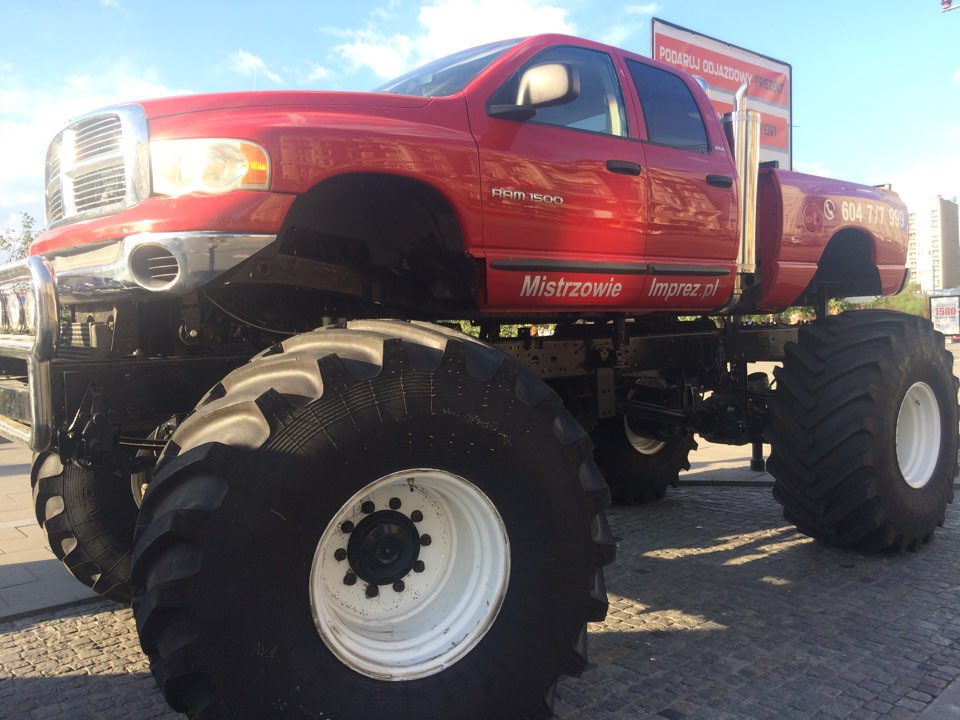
(237, 354)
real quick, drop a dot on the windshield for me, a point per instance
(447, 75)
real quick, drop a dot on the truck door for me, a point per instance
(691, 224)
(563, 195)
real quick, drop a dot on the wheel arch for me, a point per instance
(403, 233)
(846, 268)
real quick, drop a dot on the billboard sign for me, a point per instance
(724, 68)
(944, 314)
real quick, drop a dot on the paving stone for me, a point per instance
(719, 611)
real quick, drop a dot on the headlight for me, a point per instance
(29, 312)
(208, 165)
(14, 307)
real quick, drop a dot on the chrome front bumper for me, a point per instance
(149, 263)
(138, 266)
(37, 344)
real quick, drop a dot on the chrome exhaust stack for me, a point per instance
(742, 128)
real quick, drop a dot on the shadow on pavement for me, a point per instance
(720, 609)
(38, 586)
(84, 697)
(19, 469)
(83, 662)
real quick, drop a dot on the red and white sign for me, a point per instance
(724, 68)
(944, 314)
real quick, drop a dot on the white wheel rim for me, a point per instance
(918, 435)
(643, 445)
(444, 608)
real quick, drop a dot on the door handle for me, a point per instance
(623, 167)
(723, 181)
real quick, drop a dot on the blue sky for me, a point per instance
(876, 84)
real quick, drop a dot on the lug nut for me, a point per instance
(347, 527)
(372, 591)
(425, 540)
(419, 567)
(395, 503)
(367, 507)
(398, 586)
(340, 555)
(416, 516)
(349, 579)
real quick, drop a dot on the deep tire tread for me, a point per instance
(831, 436)
(88, 516)
(636, 478)
(337, 362)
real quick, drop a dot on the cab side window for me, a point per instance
(670, 111)
(599, 106)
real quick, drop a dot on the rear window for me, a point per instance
(670, 111)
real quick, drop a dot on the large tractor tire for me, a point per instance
(638, 467)
(383, 520)
(89, 516)
(864, 431)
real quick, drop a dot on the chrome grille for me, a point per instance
(98, 188)
(54, 196)
(92, 166)
(99, 136)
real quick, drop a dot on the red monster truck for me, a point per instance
(235, 354)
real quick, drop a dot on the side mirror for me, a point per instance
(540, 86)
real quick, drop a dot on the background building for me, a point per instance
(933, 255)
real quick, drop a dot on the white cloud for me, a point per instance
(386, 55)
(31, 116)
(252, 66)
(10, 222)
(920, 184)
(116, 6)
(813, 167)
(648, 9)
(319, 73)
(388, 12)
(453, 25)
(618, 33)
(446, 26)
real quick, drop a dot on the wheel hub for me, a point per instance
(918, 435)
(641, 443)
(384, 547)
(405, 592)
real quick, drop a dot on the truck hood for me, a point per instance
(186, 104)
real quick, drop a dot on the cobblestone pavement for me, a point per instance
(719, 611)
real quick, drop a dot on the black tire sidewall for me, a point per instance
(834, 423)
(97, 522)
(637, 477)
(914, 506)
(283, 521)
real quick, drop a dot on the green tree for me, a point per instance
(15, 244)
(910, 300)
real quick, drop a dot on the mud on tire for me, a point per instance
(89, 516)
(347, 433)
(864, 431)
